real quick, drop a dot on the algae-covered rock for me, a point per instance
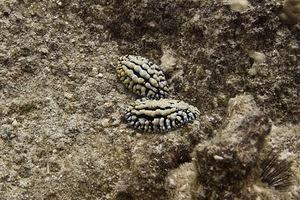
(242, 161)
(291, 11)
(225, 164)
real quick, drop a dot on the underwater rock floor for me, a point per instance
(62, 131)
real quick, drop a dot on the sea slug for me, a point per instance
(160, 115)
(142, 77)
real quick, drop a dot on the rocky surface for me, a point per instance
(225, 163)
(62, 135)
(231, 165)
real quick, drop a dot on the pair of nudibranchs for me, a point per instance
(156, 112)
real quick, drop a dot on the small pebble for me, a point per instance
(15, 123)
(100, 75)
(105, 122)
(68, 95)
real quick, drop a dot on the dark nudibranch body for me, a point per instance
(142, 77)
(160, 115)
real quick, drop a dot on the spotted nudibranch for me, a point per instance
(160, 115)
(142, 77)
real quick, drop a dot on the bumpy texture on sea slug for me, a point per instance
(142, 76)
(160, 115)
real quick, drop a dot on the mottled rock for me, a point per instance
(179, 182)
(238, 5)
(152, 157)
(225, 164)
(291, 11)
(61, 150)
(7, 132)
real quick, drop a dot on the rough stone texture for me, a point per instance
(291, 11)
(228, 166)
(179, 182)
(151, 159)
(212, 45)
(226, 163)
(61, 135)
